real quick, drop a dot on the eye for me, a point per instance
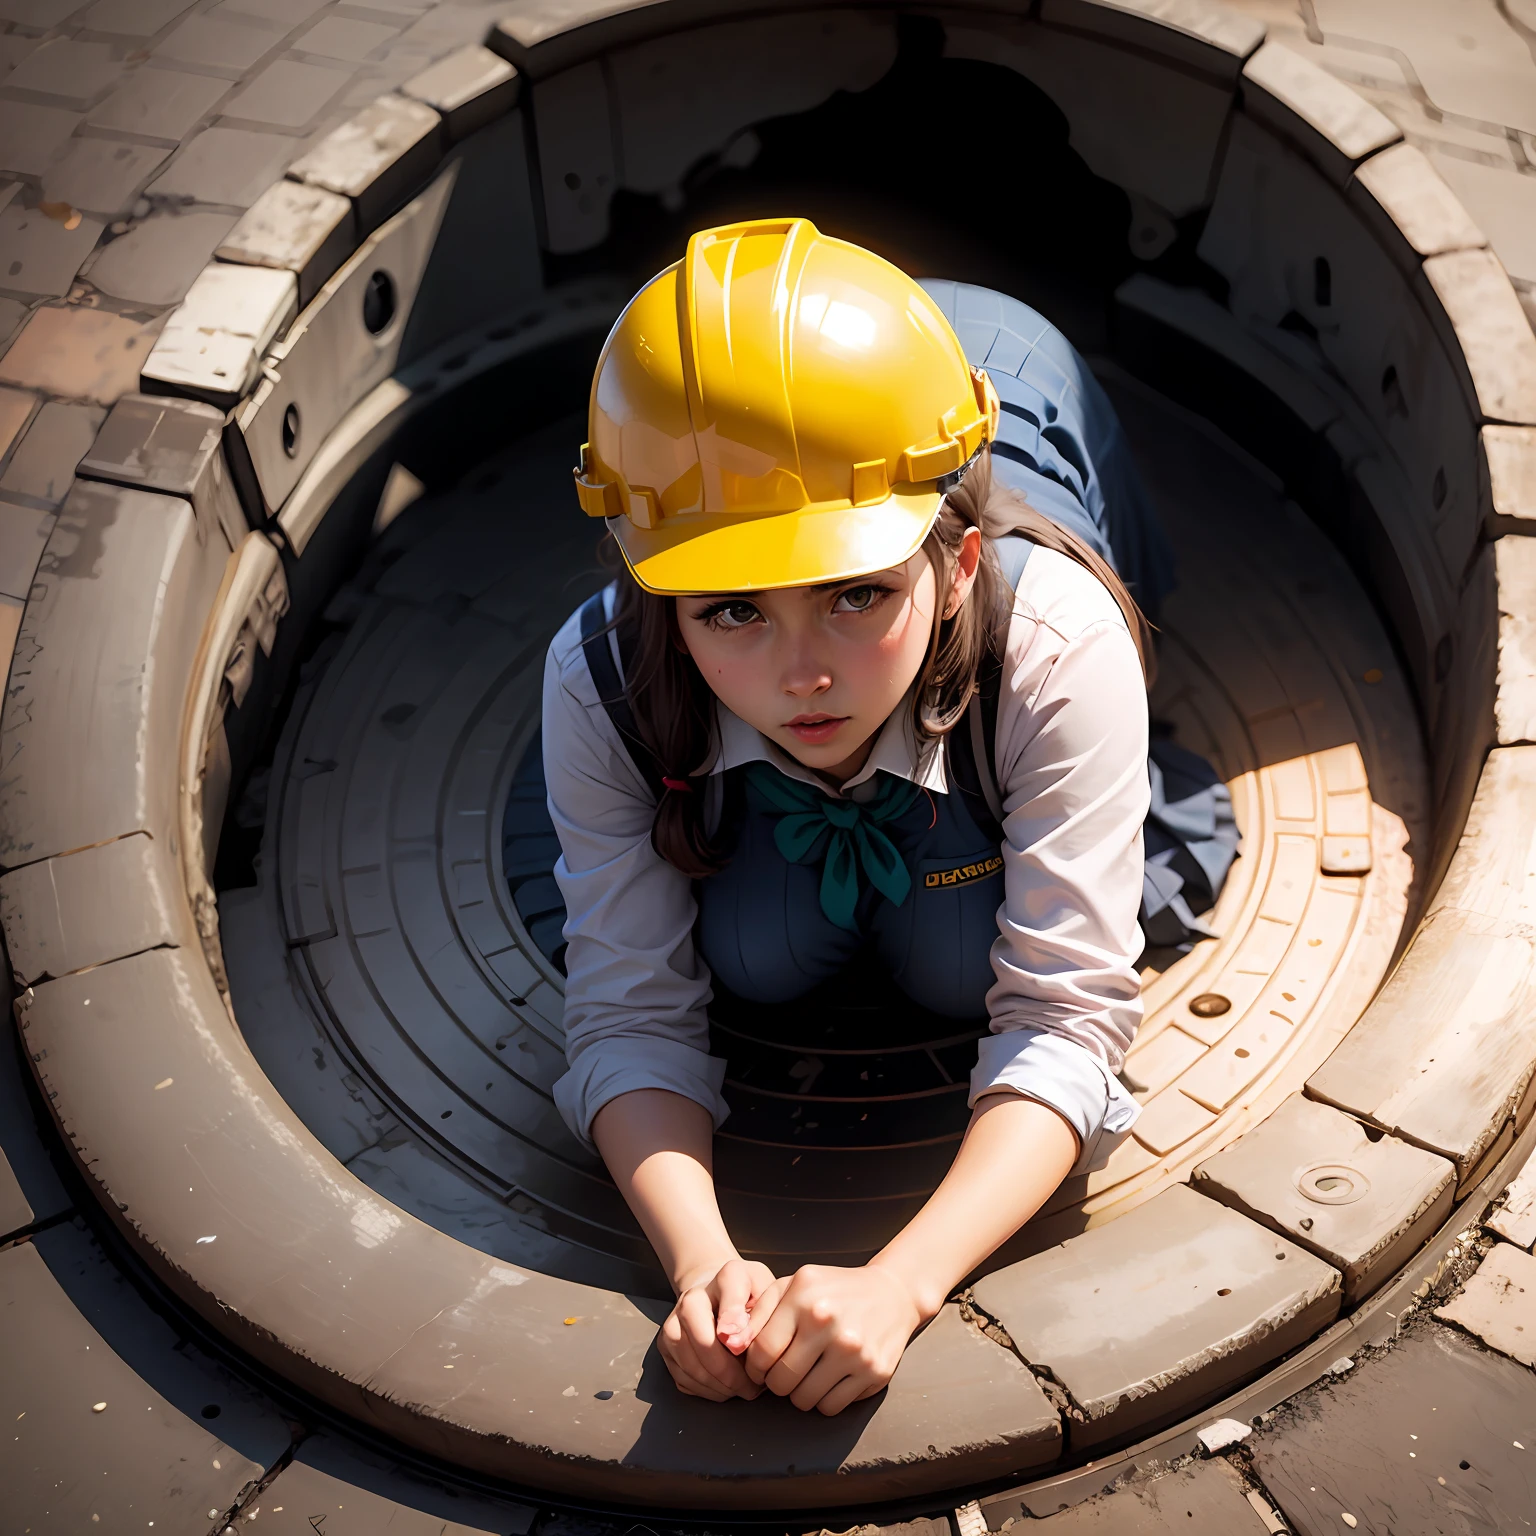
(858, 599)
(734, 614)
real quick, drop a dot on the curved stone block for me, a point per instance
(1515, 702)
(1491, 331)
(376, 158)
(472, 1359)
(1493, 872)
(1313, 1174)
(304, 230)
(92, 719)
(213, 343)
(468, 89)
(1333, 125)
(1508, 475)
(159, 443)
(1445, 1054)
(1407, 201)
(66, 914)
(1146, 1318)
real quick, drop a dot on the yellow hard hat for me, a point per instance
(779, 408)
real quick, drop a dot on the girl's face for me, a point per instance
(818, 670)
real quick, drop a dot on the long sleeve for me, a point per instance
(636, 989)
(1071, 759)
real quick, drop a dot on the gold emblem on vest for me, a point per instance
(963, 874)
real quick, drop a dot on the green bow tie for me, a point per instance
(847, 832)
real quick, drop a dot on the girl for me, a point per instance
(854, 703)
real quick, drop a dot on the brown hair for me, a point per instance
(673, 706)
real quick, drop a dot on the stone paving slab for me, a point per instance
(1142, 1319)
(226, 165)
(133, 18)
(1498, 1303)
(101, 176)
(336, 1489)
(1312, 1173)
(163, 103)
(1515, 1217)
(15, 408)
(157, 261)
(1349, 1447)
(23, 534)
(1206, 1498)
(43, 254)
(43, 466)
(91, 1445)
(1468, 58)
(31, 1190)
(75, 74)
(31, 135)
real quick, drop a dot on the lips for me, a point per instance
(814, 729)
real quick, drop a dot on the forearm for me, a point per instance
(1014, 1154)
(657, 1146)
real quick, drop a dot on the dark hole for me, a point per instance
(1279, 1255)
(1438, 489)
(1466, 1466)
(211, 1410)
(1210, 1005)
(1322, 282)
(291, 431)
(445, 1114)
(378, 302)
(1444, 649)
(602, 1397)
(1226, 1290)
(1392, 392)
(572, 180)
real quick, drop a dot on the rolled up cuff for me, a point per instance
(1060, 1074)
(602, 1072)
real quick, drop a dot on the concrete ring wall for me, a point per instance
(217, 509)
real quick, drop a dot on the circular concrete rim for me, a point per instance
(394, 1387)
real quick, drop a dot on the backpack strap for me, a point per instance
(595, 630)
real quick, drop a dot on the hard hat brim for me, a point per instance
(810, 547)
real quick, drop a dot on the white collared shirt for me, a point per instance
(1071, 762)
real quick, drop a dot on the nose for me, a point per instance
(805, 673)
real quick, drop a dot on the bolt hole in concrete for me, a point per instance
(416, 941)
(378, 302)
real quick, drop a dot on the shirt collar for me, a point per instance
(895, 752)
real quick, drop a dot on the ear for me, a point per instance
(967, 563)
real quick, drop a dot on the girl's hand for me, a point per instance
(711, 1325)
(832, 1336)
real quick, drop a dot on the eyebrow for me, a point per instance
(820, 586)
